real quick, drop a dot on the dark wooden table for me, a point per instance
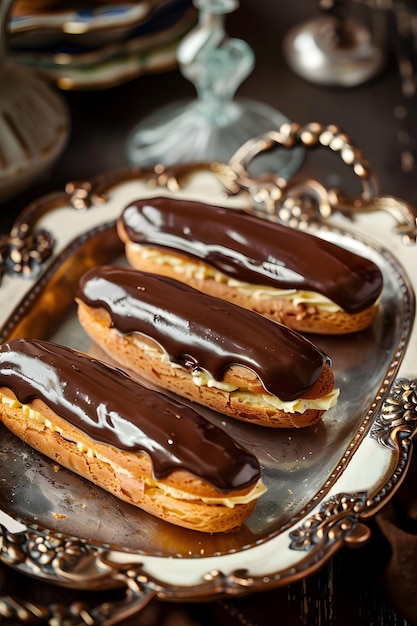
(372, 585)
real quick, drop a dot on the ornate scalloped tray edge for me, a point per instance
(290, 536)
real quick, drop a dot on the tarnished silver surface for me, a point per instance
(58, 527)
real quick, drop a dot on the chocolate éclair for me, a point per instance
(138, 444)
(296, 278)
(208, 350)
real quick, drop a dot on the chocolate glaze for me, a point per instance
(255, 251)
(112, 408)
(199, 331)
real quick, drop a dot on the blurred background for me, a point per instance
(378, 111)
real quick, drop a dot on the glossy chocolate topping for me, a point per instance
(112, 408)
(199, 331)
(252, 250)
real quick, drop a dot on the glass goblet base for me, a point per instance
(198, 131)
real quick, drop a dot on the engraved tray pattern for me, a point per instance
(323, 483)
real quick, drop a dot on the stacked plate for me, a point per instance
(99, 44)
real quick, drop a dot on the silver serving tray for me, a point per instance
(324, 482)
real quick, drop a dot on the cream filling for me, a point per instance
(299, 405)
(164, 489)
(200, 271)
(202, 378)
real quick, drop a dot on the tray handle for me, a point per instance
(276, 195)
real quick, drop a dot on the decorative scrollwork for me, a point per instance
(76, 563)
(398, 416)
(82, 195)
(12, 608)
(332, 523)
(26, 252)
(26, 249)
(76, 613)
(42, 551)
(339, 517)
